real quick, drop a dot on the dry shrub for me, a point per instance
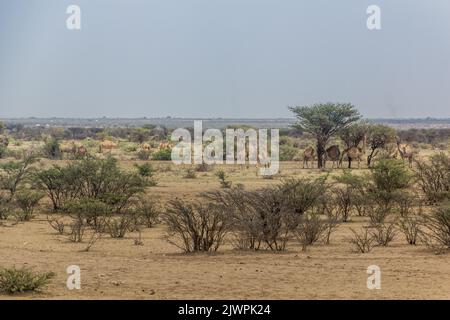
(57, 223)
(77, 230)
(332, 221)
(384, 233)
(362, 241)
(268, 218)
(410, 226)
(310, 229)
(246, 224)
(118, 226)
(147, 212)
(195, 227)
(433, 177)
(436, 232)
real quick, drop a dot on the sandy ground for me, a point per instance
(118, 269)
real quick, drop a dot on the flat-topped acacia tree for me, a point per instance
(323, 120)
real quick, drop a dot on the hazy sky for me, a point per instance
(223, 58)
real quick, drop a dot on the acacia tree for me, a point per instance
(378, 137)
(354, 134)
(323, 121)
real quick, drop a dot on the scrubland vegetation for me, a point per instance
(86, 196)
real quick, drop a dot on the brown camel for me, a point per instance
(308, 155)
(81, 151)
(406, 152)
(107, 145)
(332, 153)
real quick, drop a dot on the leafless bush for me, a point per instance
(310, 229)
(436, 232)
(118, 226)
(95, 236)
(407, 203)
(246, 224)
(384, 233)
(332, 221)
(409, 225)
(433, 177)
(362, 241)
(378, 213)
(195, 227)
(77, 230)
(57, 223)
(148, 212)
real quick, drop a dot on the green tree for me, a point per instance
(378, 137)
(354, 134)
(323, 121)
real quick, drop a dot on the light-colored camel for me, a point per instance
(308, 155)
(108, 145)
(406, 152)
(353, 153)
(332, 153)
(69, 148)
(164, 145)
(145, 147)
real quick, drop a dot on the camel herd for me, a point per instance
(334, 154)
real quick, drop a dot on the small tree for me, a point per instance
(378, 137)
(323, 121)
(52, 149)
(354, 134)
(13, 174)
(27, 201)
(346, 193)
(147, 172)
(224, 183)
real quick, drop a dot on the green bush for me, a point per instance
(52, 150)
(147, 172)
(224, 183)
(99, 179)
(27, 201)
(163, 155)
(3, 152)
(143, 155)
(21, 280)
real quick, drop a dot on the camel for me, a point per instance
(406, 152)
(81, 151)
(332, 153)
(145, 147)
(353, 153)
(70, 148)
(308, 155)
(107, 145)
(164, 145)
